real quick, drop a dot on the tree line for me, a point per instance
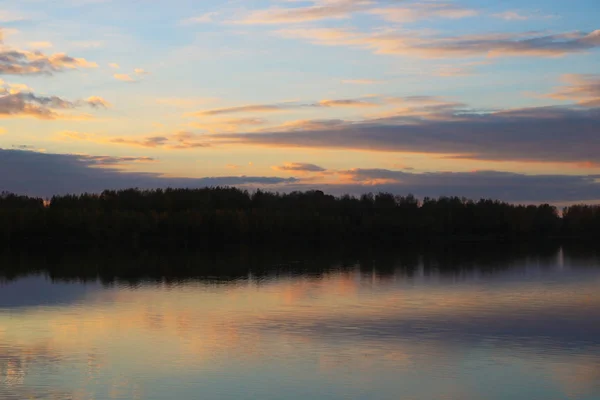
(221, 215)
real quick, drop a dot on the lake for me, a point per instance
(407, 324)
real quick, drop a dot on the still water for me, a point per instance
(526, 327)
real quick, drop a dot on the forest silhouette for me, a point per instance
(223, 215)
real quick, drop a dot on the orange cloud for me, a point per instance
(22, 62)
(27, 104)
(97, 101)
(124, 77)
(322, 9)
(582, 89)
(418, 11)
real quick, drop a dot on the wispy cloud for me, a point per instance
(307, 124)
(319, 10)
(582, 89)
(417, 11)
(112, 161)
(201, 19)
(41, 45)
(490, 45)
(362, 81)
(369, 101)
(227, 124)
(258, 108)
(174, 141)
(342, 9)
(460, 69)
(10, 16)
(184, 102)
(511, 16)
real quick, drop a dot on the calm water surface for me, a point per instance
(527, 330)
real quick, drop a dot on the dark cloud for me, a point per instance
(546, 134)
(23, 147)
(20, 105)
(41, 174)
(299, 167)
(111, 160)
(47, 101)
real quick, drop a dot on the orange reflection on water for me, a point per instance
(346, 324)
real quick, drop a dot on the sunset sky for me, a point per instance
(497, 98)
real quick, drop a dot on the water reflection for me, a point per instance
(411, 325)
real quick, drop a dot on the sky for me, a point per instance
(497, 98)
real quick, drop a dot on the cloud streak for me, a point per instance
(415, 45)
(319, 10)
(182, 140)
(417, 11)
(372, 101)
(342, 9)
(582, 89)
